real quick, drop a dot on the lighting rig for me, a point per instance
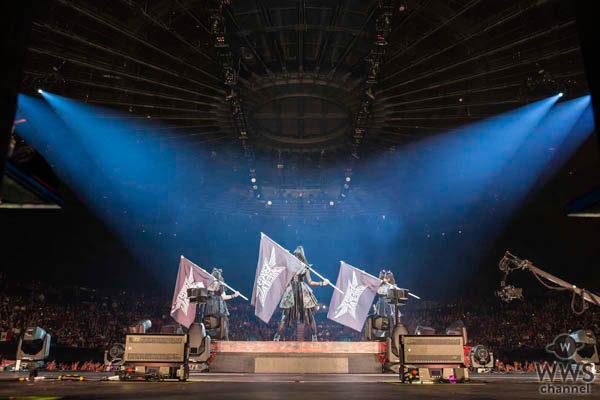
(255, 185)
(346, 185)
(374, 60)
(544, 82)
(510, 263)
(230, 67)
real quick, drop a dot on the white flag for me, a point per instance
(189, 276)
(352, 307)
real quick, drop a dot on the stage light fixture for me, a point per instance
(332, 203)
(560, 94)
(348, 179)
(140, 326)
(253, 180)
(33, 348)
(269, 202)
(254, 187)
(40, 91)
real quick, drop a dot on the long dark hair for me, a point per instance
(299, 253)
(217, 273)
(387, 274)
(216, 284)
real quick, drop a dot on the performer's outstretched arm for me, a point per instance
(229, 297)
(313, 283)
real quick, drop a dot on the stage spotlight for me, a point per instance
(269, 202)
(348, 179)
(481, 357)
(114, 355)
(255, 187)
(560, 94)
(331, 203)
(33, 348)
(424, 330)
(140, 326)
(253, 180)
(40, 91)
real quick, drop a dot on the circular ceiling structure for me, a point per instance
(302, 117)
(309, 85)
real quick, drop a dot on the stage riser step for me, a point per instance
(294, 363)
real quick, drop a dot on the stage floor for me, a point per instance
(277, 386)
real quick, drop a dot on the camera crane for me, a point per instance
(510, 263)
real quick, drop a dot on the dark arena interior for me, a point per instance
(299, 199)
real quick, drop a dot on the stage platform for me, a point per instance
(297, 357)
(276, 386)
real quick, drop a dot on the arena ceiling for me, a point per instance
(306, 81)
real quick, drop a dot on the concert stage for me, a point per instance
(297, 357)
(286, 357)
(274, 386)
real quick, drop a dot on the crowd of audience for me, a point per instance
(74, 316)
(86, 318)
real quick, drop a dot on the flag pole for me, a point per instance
(394, 286)
(223, 283)
(241, 295)
(322, 277)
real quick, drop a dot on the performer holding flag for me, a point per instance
(280, 276)
(216, 305)
(382, 308)
(189, 276)
(276, 268)
(298, 303)
(192, 276)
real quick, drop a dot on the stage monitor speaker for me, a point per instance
(155, 348)
(588, 353)
(34, 345)
(432, 349)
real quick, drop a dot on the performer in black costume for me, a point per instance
(298, 303)
(215, 304)
(382, 308)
